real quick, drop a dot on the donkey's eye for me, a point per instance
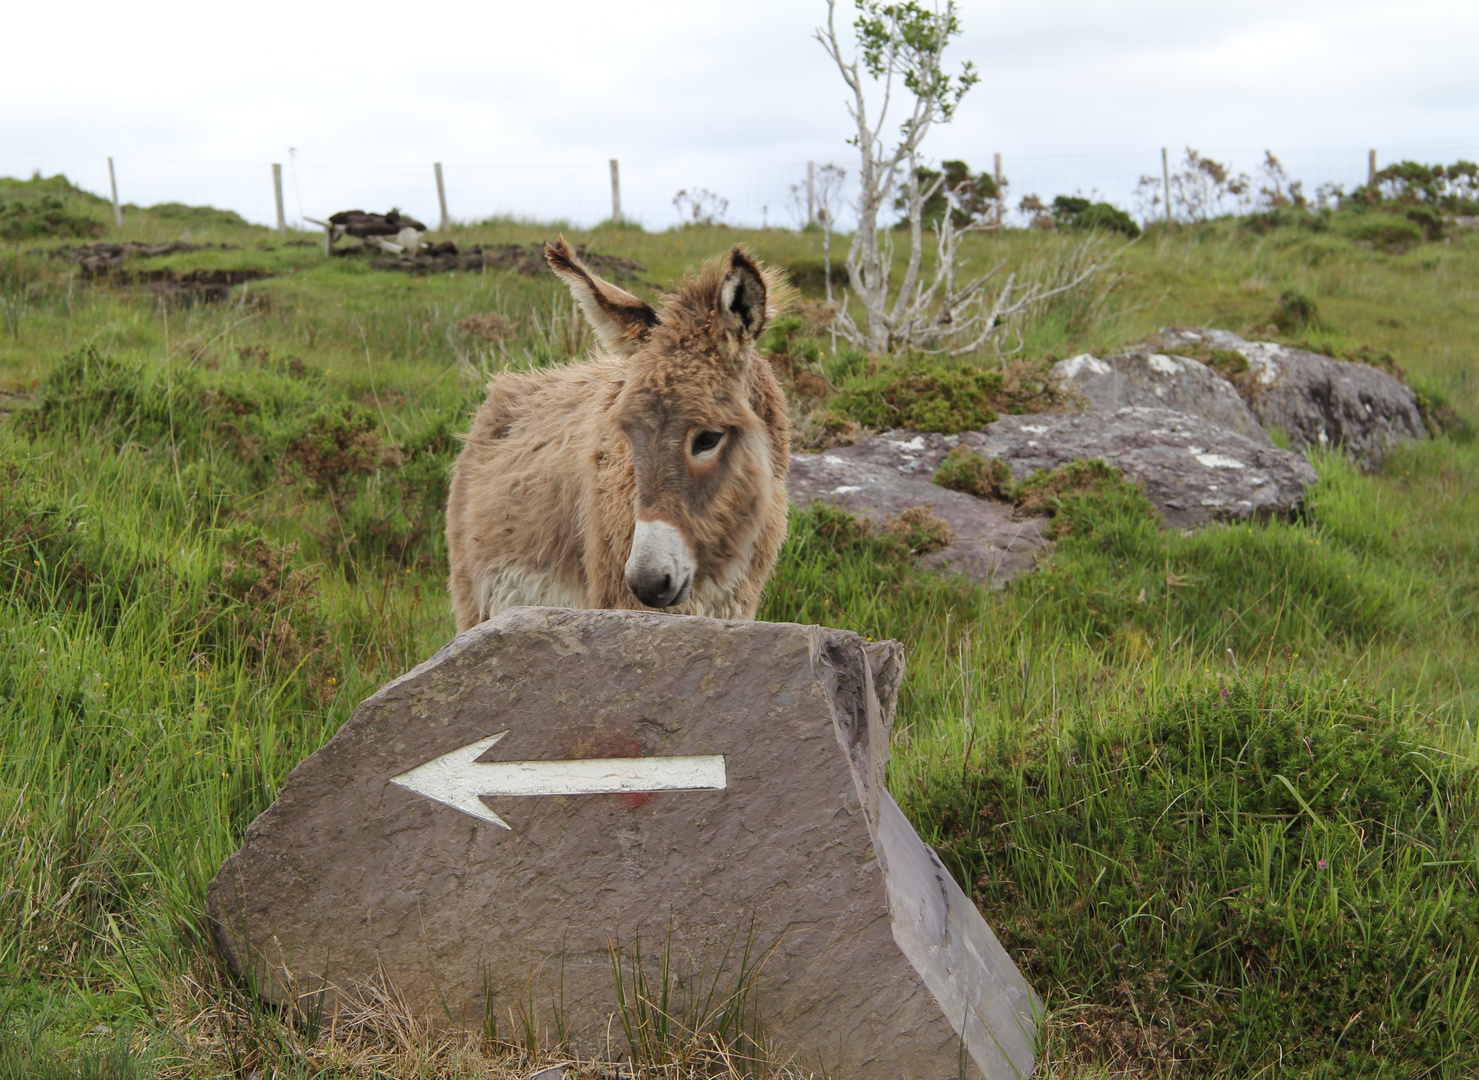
(705, 441)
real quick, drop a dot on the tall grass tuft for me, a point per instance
(703, 1019)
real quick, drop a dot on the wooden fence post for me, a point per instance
(442, 198)
(282, 221)
(1166, 179)
(996, 173)
(811, 192)
(113, 183)
(1371, 169)
(615, 192)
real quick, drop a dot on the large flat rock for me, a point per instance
(1317, 400)
(1193, 471)
(486, 828)
(878, 477)
(1157, 380)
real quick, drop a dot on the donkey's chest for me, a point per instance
(513, 586)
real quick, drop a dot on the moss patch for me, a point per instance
(948, 398)
(1070, 494)
(915, 531)
(922, 395)
(967, 471)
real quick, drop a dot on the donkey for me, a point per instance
(651, 475)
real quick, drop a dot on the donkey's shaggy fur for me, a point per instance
(656, 469)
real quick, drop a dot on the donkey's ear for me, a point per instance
(621, 321)
(743, 310)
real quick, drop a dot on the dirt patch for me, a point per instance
(100, 259)
(107, 261)
(525, 259)
(104, 260)
(205, 284)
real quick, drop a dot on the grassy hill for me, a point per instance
(1216, 792)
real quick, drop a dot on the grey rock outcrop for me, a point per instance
(1159, 381)
(876, 478)
(1317, 400)
(488, 827)
(1193, 471)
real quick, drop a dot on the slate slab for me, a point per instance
(874, 963)
(878, 477)
(1192, 470)
(1159, 381)
(1317, 400)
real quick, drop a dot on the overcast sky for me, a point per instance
(167, 86)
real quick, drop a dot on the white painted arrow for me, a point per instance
(458, 779)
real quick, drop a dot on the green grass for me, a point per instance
(1261, 873)
(220, 530)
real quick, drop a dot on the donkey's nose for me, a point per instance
(660, 569)
(655, 591)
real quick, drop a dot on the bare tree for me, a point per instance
(1199, 190)
(1278, 190)
(701, 206)
(828, 192)
(943, 314)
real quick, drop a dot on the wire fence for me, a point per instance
(737, 193)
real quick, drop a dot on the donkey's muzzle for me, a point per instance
(660, 569)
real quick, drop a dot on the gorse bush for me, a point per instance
(337, 444)
(1074, 212)
(1061, 492)
(1295, 311)
(1385, 232)
(1452, 188)
(970, 197)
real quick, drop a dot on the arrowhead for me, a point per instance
(449, 779)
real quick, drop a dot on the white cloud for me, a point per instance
(675, 84)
